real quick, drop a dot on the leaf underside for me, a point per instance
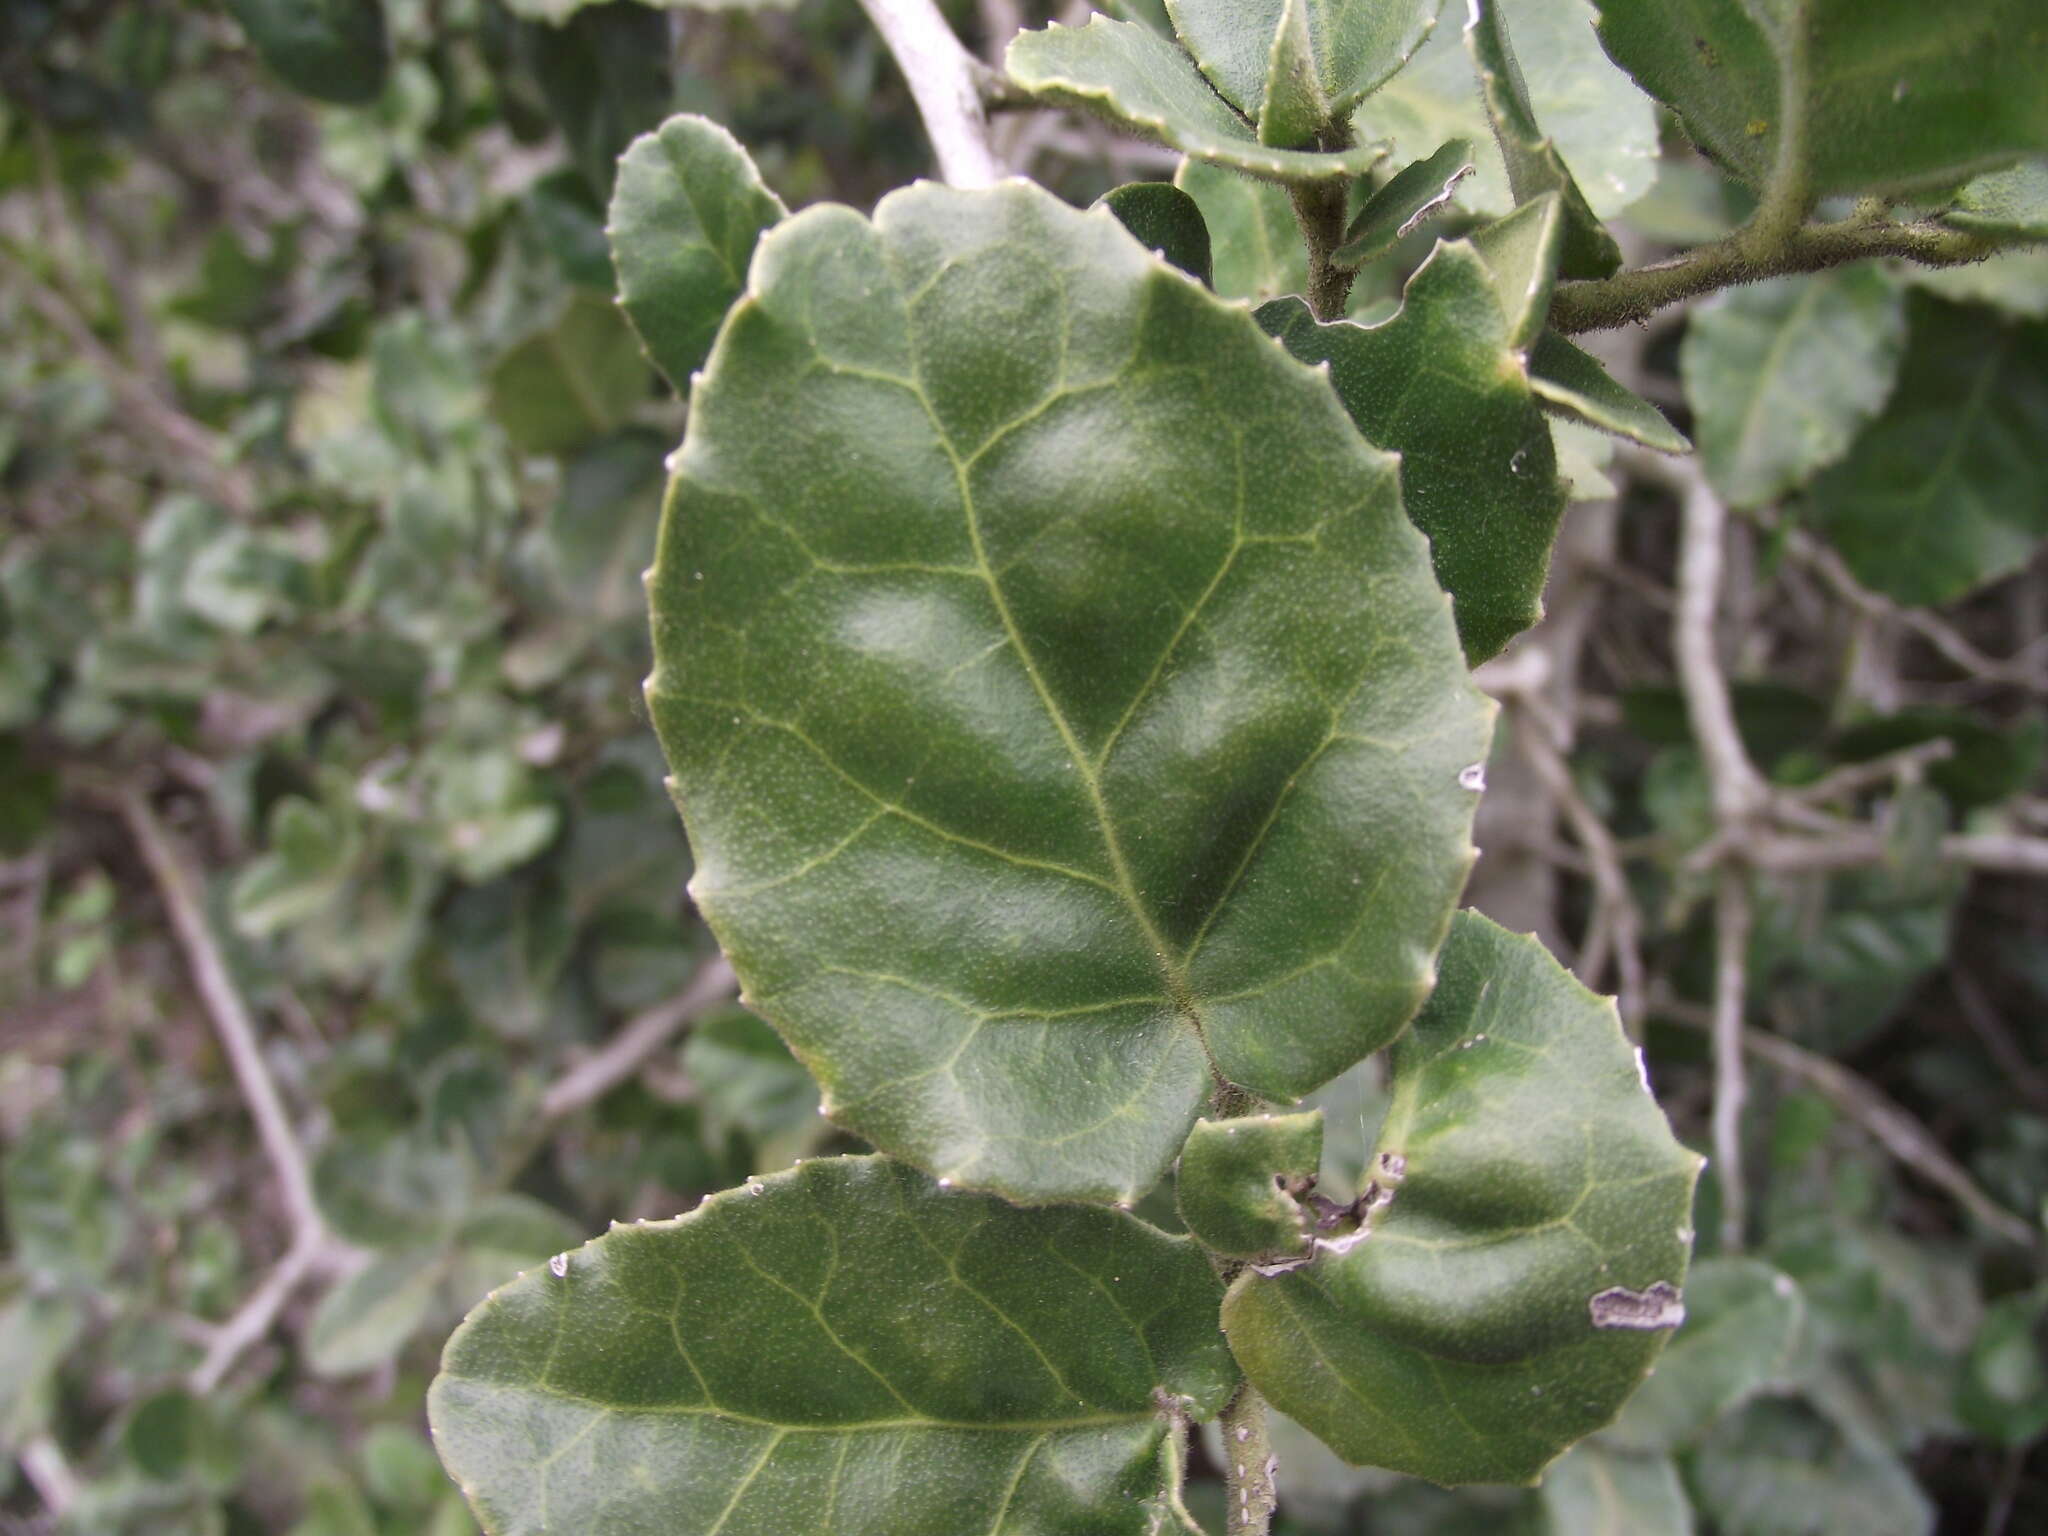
(1525, 1274)
(842, 1347)
(1059, 703)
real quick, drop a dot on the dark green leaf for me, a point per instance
(1519, 1271)
(1138, 78)
(607, 78)
(842, 1347)
(1988, 765)
(1409, 198)
(686, 211)
(1240, 1181)
(1883, 95)
(1570, 381)
(1163, 218)
(1162, 794)
(572, 381)
(1534, 165)
(1947, 489)
(1782, 375)
(1443, 385)
(331, 49)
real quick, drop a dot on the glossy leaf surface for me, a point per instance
(1883, 94)
(1254, 240)
(1947, 488)
(1238, 1181)
(1534, 166)
(1131, 74)
(1411, 196)
(1266, 57)
(334, 50)
(686, 209)
(1058, 700)
(843, 1347)
(1163, 218)
(1527, 1271)
(1442, 384)
(1782, 375)
(1573, 382)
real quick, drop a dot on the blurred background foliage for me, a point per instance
(327, 472)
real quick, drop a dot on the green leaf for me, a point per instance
(1410, 197)
(1442, 384)
(1523, 1271)
(1136, 77)
(2011, 203)
(1268, 57)
(1947, 489)
(313, 851)
(1779, 1469)
(1521, 252)
(1883, 95)
(1101, 555)
(607, 79)
(841, 1347)
(1598, 1491)
(1573, 383)
(1240, 1181)
(1742, 1321)
(572, 381)
(2004, 1391)
(1782, 375)
(1254, 240)
(687, 208)
(373, 1314)
(333, 50)
(1163, 218)
(1534, 165)
(1988, 765)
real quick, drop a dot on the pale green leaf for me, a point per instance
(1163, 218)
(2013, 282)
(573, 380)
(1882, 95)
(1163, 794)
(1521, 251)
(1525, 1272)
(843, 1347)
(1742, 1321)
(1533, 162)
(1293, 107)
(686, 209)
(1947, 489)
(1583, 459)
(1333, 52)
(1409, 198)
(2012, 203)
(1442, 384)
(1136, 77)
(1782, 375)
(1595, 1490)
(334, 50)
(1239, 1184)
(370, 1316)
(1254, 241)
(1569, 380)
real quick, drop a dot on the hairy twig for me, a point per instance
(627, 1051)
(1248, 1466)
(946, 82)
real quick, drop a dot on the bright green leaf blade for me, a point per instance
(1526, 1272)
(1141, 80)
(1254, 239)
(1889, 94)
(571, 382)
(333, 50)
(1594, 1490)
(1163, 218)
(842, 1347)
(1411, 196)
(1534, 165)
(370, 1316)
(1522, 252)
(1947, 489)
(1742, 1319)
(1239, 1181)
(1441, 384)
(1569, 380)
(1782, 375)
(1176, 716)
(2011, 203)
(686, 209)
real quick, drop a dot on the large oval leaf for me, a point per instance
(1058, 701)
(844, 1348)
(1526, 1271)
